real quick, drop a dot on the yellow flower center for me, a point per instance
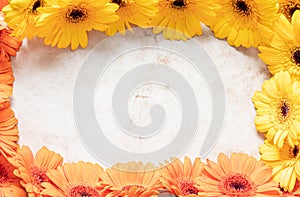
(288, 8)
(296, 56)
(83, 191)
(236, 185)
(187, 187)
(39, 176)
(121, 3)
(3, 174)
(76, 14)
(241, 7)
(178, 3)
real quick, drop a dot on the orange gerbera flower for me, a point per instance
(3, 3)
(9, 183)
(179, 178)
(32, 171)
(9, 45)
(9, 134)
(5, 93)
(6, 73)
(240, 175)
(76, 179)
(130, 179)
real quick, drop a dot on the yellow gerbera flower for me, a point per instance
(67, 21)
(296, 25)
(283, 54)
(278, 109)
(21, 16)
(130, 179)
(137, 12)
(288, 7)
(245, 22)
(285, 162)
(180, 19)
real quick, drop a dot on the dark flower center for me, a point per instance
(288, 8)
(83, 191)
(76, 15)
(284, 109)
(236, 185)
(292, 10)
(187, 187)
(36, 5)
(38, 175)
(295, 151)
(178, 3)
(296, 56)
(119, 2)
(242, 7)
(3, 174)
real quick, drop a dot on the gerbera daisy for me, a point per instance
(68, 21)
(137, 12)
(296, 24)
(179, 178)
(32, 170)
(5, 93)
(9, 45)
(3, 3)
(180, 19)
(245, 22)
(73, 179)
(278, 109)
(283, 53)
(9, 133)
(9, 183)
(285, 162)
(6, 74)
(288, 7)
(130, 179)
(240, 175)
(21, 16)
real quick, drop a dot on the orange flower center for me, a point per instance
(127, 187)
(236, 185)
(83, 191)
(38, 175)
(187, 187)
(3, 174)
